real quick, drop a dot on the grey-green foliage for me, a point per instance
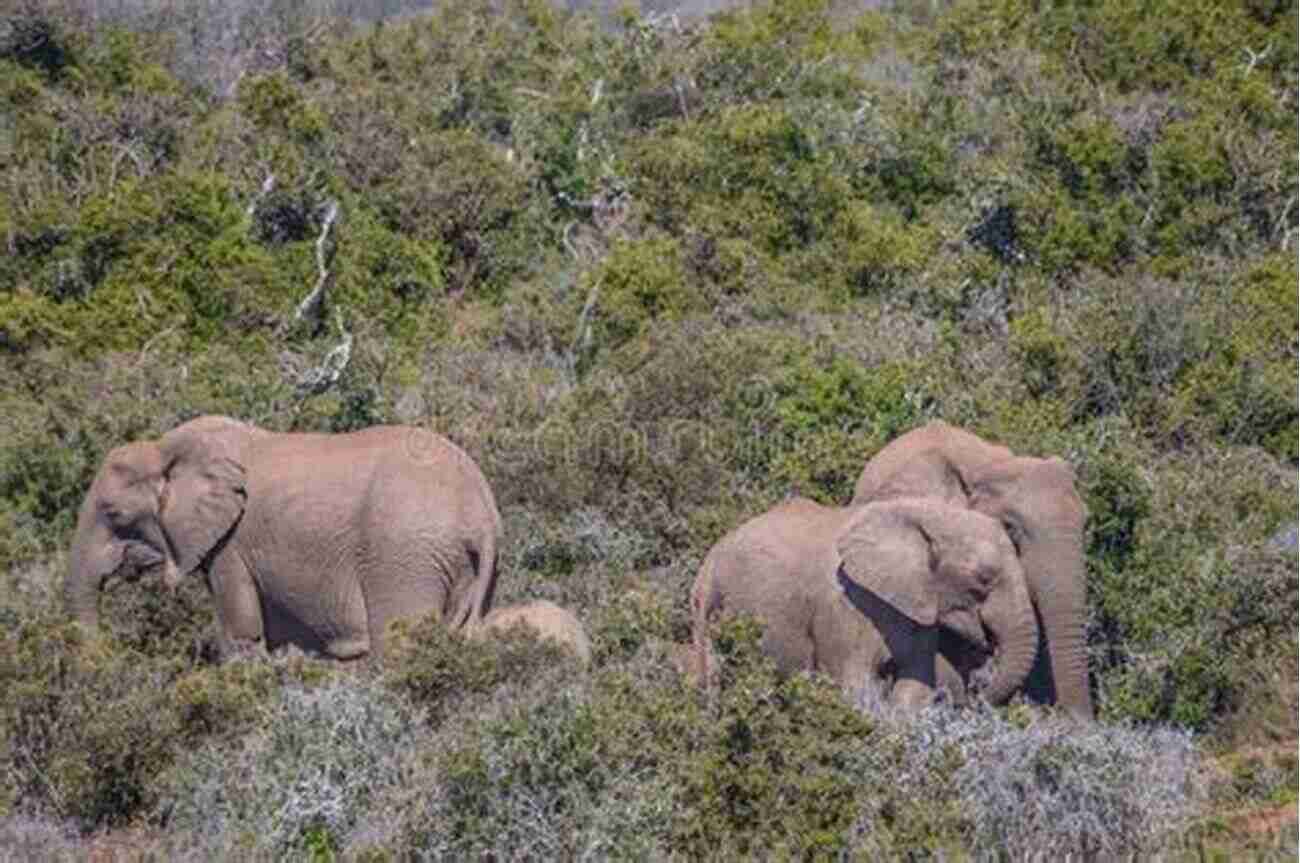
(531, 784)
(1050, 789)
(586, 536)
(1032, 786)
(630, 764)
(319, 761)
(219, 41)
(23, 837)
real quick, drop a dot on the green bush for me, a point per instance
(754, 172)
(436, 668)
(87, 728)
(456, 188)
(149, 267)
(1185, 586)
(1043, 354)
(389, 278)
(831, 417)
(218, 704)
(775, 768)
(42, 488)
(273, 104)
(640, 616)
(640, 285)
(1242, 391)
(612, 759)
(533, 780)
(40, 40)
(882, 253)
(913, 173)
(147, 618)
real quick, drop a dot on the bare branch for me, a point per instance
(582, 336)
(320, 378)
(1290, 230)
(267, 185)
(311, 305)
(125, 151)
(568, 244)
(1254, 59)
(149, 345)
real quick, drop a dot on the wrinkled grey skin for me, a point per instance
(316, 540)
(1036, 502)
(549, 621)
(858, 592)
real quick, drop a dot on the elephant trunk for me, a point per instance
(1059, 593)
(81, 597)
(91, 561)
(1011, 619)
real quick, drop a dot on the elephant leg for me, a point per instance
(240, 629)
(957, 664)
(395, 588)
(791, 650)
(911, 694)
(914, 652)
(950, 680)
(348, 648)
(355, 641)
(323, 615)
(861, 675)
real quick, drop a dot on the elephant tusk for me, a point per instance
(966, 624)
(171, 576)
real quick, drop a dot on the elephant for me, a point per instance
(857, 593)
(311, 539)
(549, 621)
(1036, 502)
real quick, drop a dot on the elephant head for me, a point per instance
(165, 503)
(1036, 502)
(936, 563)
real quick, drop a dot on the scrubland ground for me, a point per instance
(655, 274)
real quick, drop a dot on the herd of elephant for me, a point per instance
(957, 568)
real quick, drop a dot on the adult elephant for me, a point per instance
(317, 540)
(1035, 501)
(858, 592)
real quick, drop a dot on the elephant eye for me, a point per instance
(1013, 533)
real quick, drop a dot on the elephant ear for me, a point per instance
(205, 493)
(890, 555)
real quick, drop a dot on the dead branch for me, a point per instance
(314, 302)
(568, 244)
(320, 378)
(267, 185)
(582, 336)
(1253, 58)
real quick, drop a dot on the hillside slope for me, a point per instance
(654, 275)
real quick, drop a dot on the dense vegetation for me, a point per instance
(654, 274)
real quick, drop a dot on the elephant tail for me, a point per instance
(706, 599)
(471, 614)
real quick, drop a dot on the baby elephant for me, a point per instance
(858, 593)
(550, 621)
